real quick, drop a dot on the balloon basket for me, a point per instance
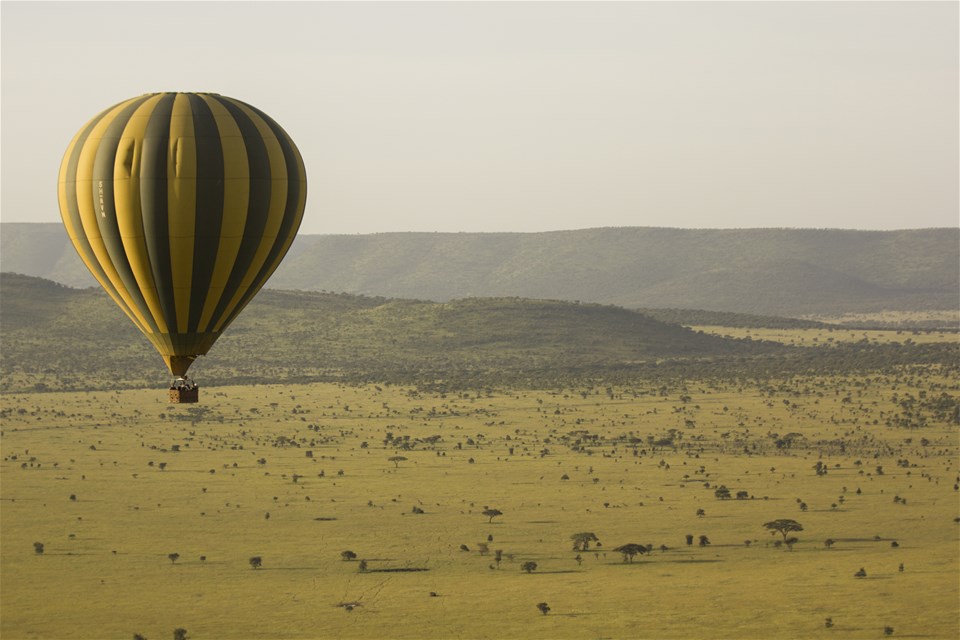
(183, 395)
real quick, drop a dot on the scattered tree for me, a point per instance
(544, 608)
(38, 548)
(783, 526)
(630, 550)
(492, 513)
(180, 634)
(173, 557)
(582, 540)
(529, 566)
(722, 493)
(689, 537)
(348, 555)
(256, 562)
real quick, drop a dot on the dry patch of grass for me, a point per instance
(839, 335)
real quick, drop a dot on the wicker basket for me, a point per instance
(183, 395)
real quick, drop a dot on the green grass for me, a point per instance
(212, 497)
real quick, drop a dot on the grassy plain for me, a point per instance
(297, 474)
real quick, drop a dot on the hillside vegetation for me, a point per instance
(81, 339)
(55, 337)
(781, 272)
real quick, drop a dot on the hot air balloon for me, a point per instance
(182, 205)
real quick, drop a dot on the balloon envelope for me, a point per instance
(182, 205)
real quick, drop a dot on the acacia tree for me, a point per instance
(630, 550)
(256, 562)
(529, 567)
(783, 526)
(396, 460)
(348, 555)
(582, 540)
(492, 513)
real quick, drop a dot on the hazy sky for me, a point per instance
(509, 116)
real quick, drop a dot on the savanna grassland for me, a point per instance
(113, 483)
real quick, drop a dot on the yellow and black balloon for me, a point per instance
(182, 205)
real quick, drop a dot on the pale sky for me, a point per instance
(536, 116)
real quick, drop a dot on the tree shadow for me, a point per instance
(541, 522)
(559, 571)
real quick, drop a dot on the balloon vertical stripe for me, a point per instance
(209, 206)
(259, 197)
(293, 210)
(236, 194)
(267, 236)
(182, 206)
(127, 197)
(182, 202)
(90, 209)
(70, 211)
(113, 163)
(153, 186)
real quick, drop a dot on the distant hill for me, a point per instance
(774, 272)
(73, 338)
